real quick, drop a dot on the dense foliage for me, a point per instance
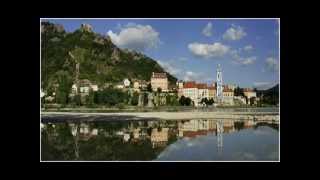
(185, 101)
(110, 97)
(100, 60)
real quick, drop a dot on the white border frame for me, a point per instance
(168, 19)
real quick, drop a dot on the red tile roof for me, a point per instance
(190, 84)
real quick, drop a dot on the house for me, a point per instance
(126, 82)
(126, 137)
(159, 80)
(227, 92)
(136, 85)
(190, 90)
(212, 92)
(94, 87)
(159, 138)
(84, 86)
(119, 85)
(42, 94)
(180, 88)
(203, 91)
(249, 93)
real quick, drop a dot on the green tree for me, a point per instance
(238, 91)
(204, 100)
(135, 99)
(182, 100)
(185, 101)
(211, 101)
(188, 101)
(149, 88)
(90, 98)
(110, 96)
(77, 100)
(64, 81)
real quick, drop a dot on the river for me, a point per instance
(159, 140)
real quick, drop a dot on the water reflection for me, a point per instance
(150, 140)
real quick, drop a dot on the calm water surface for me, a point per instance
(159, 140)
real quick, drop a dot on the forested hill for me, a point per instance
(100, 60)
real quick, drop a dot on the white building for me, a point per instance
(159, 80)
(126, 137)
(203, 92)
(249, 93)
(196, 92)
(42, 94)
(119, 86)
(126, 82)
(74, 89)
(84, 89)
(94, 87)
(190, 90)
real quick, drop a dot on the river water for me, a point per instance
(159, 140)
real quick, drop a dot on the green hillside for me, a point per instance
(100, 60)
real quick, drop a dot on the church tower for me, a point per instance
(219, 85)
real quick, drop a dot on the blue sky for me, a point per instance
(191, 49)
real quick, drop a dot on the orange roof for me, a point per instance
(190, 84)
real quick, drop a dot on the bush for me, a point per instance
(185, 101)
(135, 99)
(110, 97)
(120, 106)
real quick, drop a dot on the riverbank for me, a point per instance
(131, 109)
(258, 116)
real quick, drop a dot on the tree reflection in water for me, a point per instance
(125, 140)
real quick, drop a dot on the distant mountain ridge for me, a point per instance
(270, 95)
(100, 60)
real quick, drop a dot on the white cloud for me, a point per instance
(194, 76)
(272, 64)
(191, 76)
(169, 67)
(248, 60)
(242, 60)
(208, 50)
(135, 36)
(207, 31)
(234, 33)
(263, 85)
(248, 48)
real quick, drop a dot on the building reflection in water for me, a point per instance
(159, 138)
(159, 133)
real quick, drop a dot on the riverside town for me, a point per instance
(160, 90)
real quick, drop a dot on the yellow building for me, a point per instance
(212, 92)
(228, 92)
(249, 93)
(159, 80)
(159, 138)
